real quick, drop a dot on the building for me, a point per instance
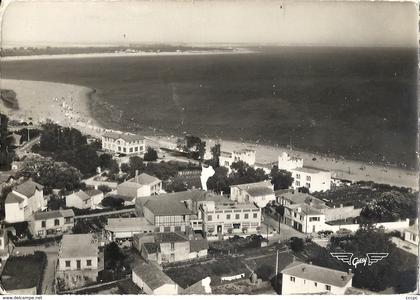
(315, 180)
(123, 143)
(201, 287)
(142, 185)
(167, 247)
(266, 167)
(226, 158)
(289, 163)
(411, 234)
(119, 229)
(78, 260)
(259, 193)
(152, 280)
(304, 218)
(51, 223)
(229, 217)
(5, 247)
(24, 199)
(89, 199)
(301, 278)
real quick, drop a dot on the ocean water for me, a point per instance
(356, 103)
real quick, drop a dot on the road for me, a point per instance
(286, 232)
(23, 150)
(49, 272)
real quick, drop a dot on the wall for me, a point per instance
(354, 227)
(340, 213)
(13, 213)
(36, 225)
(304, 286)
(181, 251)
(28, 291)
(73, 263)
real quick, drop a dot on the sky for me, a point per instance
(204, 22)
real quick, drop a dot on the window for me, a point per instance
(136, 149)
(292, 279)
(297, 176)
(41, 232)
(209, 218)
(119, 148)
(79, 264)
(124, 149)
(217, 216)
(131, 149)
(297, 183)
(237, 216)
(245, 216)
(314, 219)
(67, 264)
(295, 214)
(308, 178)
(328, 287)
(141, 148)
(255, 215)
(89, 262)
(172, 246)
(236, 226)
(315, 283)
(308, 185)
(56, 222)
(43, 224)
(228, 217)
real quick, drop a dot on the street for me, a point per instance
(286, 232)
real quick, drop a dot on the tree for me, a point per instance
(281, 179)
(6, 151)
(112, 202)
(125, 168)
(303, 189)
(243, 173)
(136, 164)
(113, 256)
(215, 152)
(105, 161)
(219, 182)
(265, 272)
(195, 147)
(113, 168)
(56, 202)
(150, 155)
(296, 244)
(176, 185)
(104, 188)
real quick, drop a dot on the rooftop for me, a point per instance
(198, 245)
(13, 198)
(126, 224)
(145, 179)
(310, 170)
(28, 188)
(45, 215)
(5, 176)
(247, 186)
(93, 192)
(78, 245)
(124, 136)
(151, 247)
(318, 274)
(234, 205)
(81, 195)
(260, 191)
(170, 237)
(299, 198)
(151, 275)
(306, 209)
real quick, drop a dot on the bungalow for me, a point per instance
(126, 228)
(259, 193)
(78, 260)
(85, 199)
(51, 223)
(152, 280)
(140, 186)
(24, 199)
(301, 278)
(123, 143)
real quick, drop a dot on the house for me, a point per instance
(123, 143)
(266, 167)
(227, 217)
(24, 199)
(301, 278)
(89, 199)
(304, 218)
(411, 234)
(201, 287)
(288, 163)
(227, 158)
(78, 260)
(125, 228)
(259, 193)
(167, 247)
(51, 223)
(315, 180)
(152, 280)
(140, 186)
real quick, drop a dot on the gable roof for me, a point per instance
(81, 195)
(170, 237)
(124, 136)
(318, 274)
(168, 207)
(300, 198)
(28, 188)
(151, 275)
(144, 179)
(310, 170)
(5, 176)
(93, 192)
(253, 185)
(78, 245)
(13, 198)
(260, 191)
(198, 245)
(45, 215)
(128, 224)
(305, 208)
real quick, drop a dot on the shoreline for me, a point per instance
(126, 54)
(69, 105)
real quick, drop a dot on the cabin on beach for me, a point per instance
(123, 143)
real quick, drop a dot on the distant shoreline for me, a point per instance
(126, 54)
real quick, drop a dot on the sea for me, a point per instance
(356, 103)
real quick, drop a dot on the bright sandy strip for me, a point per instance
(125, 54)
(67, 105)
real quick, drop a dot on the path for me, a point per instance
(106, 213)
(286, 232)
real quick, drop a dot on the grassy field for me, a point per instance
(356, 103)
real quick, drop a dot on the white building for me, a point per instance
(123, 143)
(289, 163)
(315, 180)
(142, 185)
(411, 234)
(226, 158)
(259, 193)
(301, 278)
(89, 199)
(152, 280)
(23, 201)
(304, 218)
(221, 217)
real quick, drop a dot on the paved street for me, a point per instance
(286, 232)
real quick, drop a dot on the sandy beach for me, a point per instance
(68, 105)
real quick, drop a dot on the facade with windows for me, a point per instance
(123, 143)
(78, 260)
(51, 223)
(227, 158)
(229, 217)
(259, 193)
(314, 180)
(304, 218)
(301, 278)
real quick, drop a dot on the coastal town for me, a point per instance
(108, 212)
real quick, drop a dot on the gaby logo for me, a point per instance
(369, 259)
